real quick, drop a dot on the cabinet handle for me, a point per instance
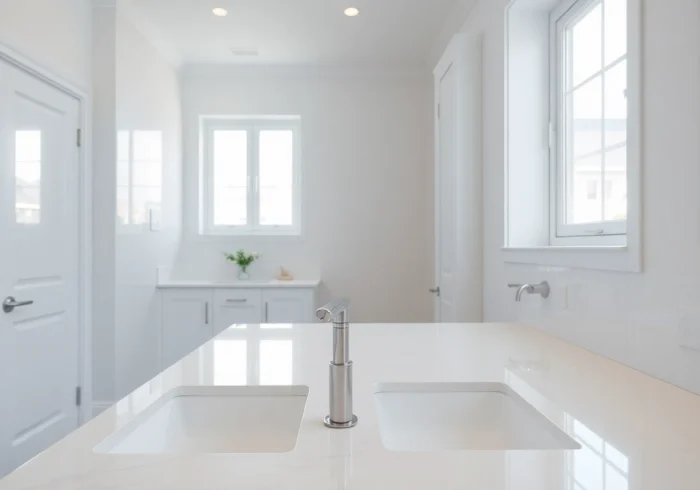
(206, 313)
(266, 311)
(239, 300)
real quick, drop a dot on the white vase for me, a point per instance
(243, 275)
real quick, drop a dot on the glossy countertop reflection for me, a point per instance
(636, 432)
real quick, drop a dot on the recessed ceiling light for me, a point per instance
(352, 12)
(220, 12)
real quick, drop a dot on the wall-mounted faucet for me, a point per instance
(541, 289)
(340, 416)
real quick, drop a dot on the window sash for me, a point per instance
(253, 127)
(605, 232)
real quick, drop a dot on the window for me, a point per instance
(251, 176)
(28, 177)
(590, 118)
(139, 176)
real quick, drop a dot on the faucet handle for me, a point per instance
(515, 286)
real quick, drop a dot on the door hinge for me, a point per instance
(79, 137)
(78, 396)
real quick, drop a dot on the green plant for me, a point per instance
(242, 259)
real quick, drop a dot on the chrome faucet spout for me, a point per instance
(541, 289)
(521, 290)
(341, 415)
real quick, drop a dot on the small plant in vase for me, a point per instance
(243, 260)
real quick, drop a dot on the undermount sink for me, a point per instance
(218, 419)
(462, 416)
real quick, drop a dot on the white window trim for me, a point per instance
(598, 253)
(209, 124)
(594, 233)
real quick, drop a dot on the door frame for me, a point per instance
(84, 99)
(441, 70)
(463, 56)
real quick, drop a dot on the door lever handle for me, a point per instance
(435, 290)
(10, 303)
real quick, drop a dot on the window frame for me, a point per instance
(253, 125)
(599, 233)
(528, 215)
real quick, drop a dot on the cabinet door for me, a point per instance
(236, 306)
(288, 306)
(187, 322)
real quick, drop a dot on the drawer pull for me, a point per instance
(234, 300)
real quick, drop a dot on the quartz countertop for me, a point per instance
(236, 284)
(637, 433)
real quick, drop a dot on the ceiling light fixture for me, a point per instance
(220, 12)
(352, 12)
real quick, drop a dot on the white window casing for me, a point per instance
(609, 243)
(252, 220)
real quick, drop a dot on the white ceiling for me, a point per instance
(394, 33)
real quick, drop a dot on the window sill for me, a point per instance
(619, 258)
(249, 234)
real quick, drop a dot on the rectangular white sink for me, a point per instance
(462, 416)
(217, 419)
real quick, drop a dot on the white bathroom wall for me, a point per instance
(367, 183)
(637, 319)
(135, 90)
(54, 34)
(104, 130)
(148, 99)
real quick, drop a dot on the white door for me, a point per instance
(39, 260)
(187, 322)
(446, 215)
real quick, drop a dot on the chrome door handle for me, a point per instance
(435, 290)
(10, 303)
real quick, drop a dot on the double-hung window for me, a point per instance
(251, 176)
(589, 121)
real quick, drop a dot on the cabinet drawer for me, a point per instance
(238, 297)
(233, 306)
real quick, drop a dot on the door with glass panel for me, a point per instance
(39, 256)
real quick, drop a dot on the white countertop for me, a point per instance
(649, 429)
(234, 284)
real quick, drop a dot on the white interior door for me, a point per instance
(39, 261)
(446, 215)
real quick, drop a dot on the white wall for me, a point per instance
(54, 34)
(367, 184)
(137, 90)
(104, 130)
(148, 98)
(636, 319)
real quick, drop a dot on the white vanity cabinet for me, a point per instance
(187, 323)
(288, 306)
(193, 313)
